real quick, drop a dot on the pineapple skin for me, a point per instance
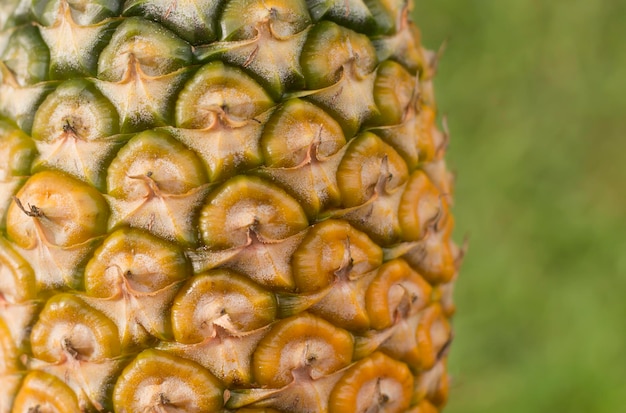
(221, 206)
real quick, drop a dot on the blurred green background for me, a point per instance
(535, 93)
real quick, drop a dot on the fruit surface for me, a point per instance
(221, 206)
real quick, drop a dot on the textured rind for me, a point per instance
(263, 181)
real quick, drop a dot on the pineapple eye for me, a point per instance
(301, 145)
(371, 178)
(391, 294)
(133, 278)
(286, 17)
(339, 68)
(377, 380)
(245, 206)
(42, 389)
(192, 21)
(215, 87)
(224, 298)
(68, 326)
(53, 211)
(155, 380)
(156, 183)
(147, 263)
(218, 318)
(294, 128)
(220, 114)
(323, 253)
(421, 207)
(420, 340)
(26, 55)
(264, 38)
(156, 51)
(155, 155)
(394, 92)
(368, 163)
(76, 119)
(302, 342)
(331, 49)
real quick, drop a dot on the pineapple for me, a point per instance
(221, 206)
